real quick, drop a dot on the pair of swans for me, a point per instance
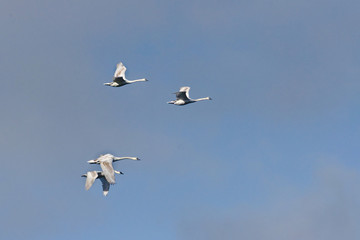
(182, 96)
(107, 175)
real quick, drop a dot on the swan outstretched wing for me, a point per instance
(90, 179)
(108, 171)
(183, 93)
(105, 185)
(120, 70)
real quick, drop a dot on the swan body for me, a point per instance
(182, 97)
(119, 78)
(90, 179)
(105, 162)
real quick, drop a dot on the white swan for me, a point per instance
(105, 162)
(90, 179)
(182, 97)
(120, 79)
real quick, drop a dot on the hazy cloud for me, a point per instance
(329, 209)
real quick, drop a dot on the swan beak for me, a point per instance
(210, 98)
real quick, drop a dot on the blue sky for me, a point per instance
(273, 156)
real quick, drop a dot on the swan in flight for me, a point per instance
(120, 79)
(105, 162)
(90, 179)
(182, 97)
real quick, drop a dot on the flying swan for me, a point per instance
(182, 97)
(105, 162)
(119, 78)
(90, 179)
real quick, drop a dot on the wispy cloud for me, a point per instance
(329, 209)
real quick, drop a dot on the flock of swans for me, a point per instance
(107, 175)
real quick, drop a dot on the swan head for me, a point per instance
(209, 98)
(92, 161)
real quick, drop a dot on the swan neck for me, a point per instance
(122, 158)
(200, 99)
(137, 80)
